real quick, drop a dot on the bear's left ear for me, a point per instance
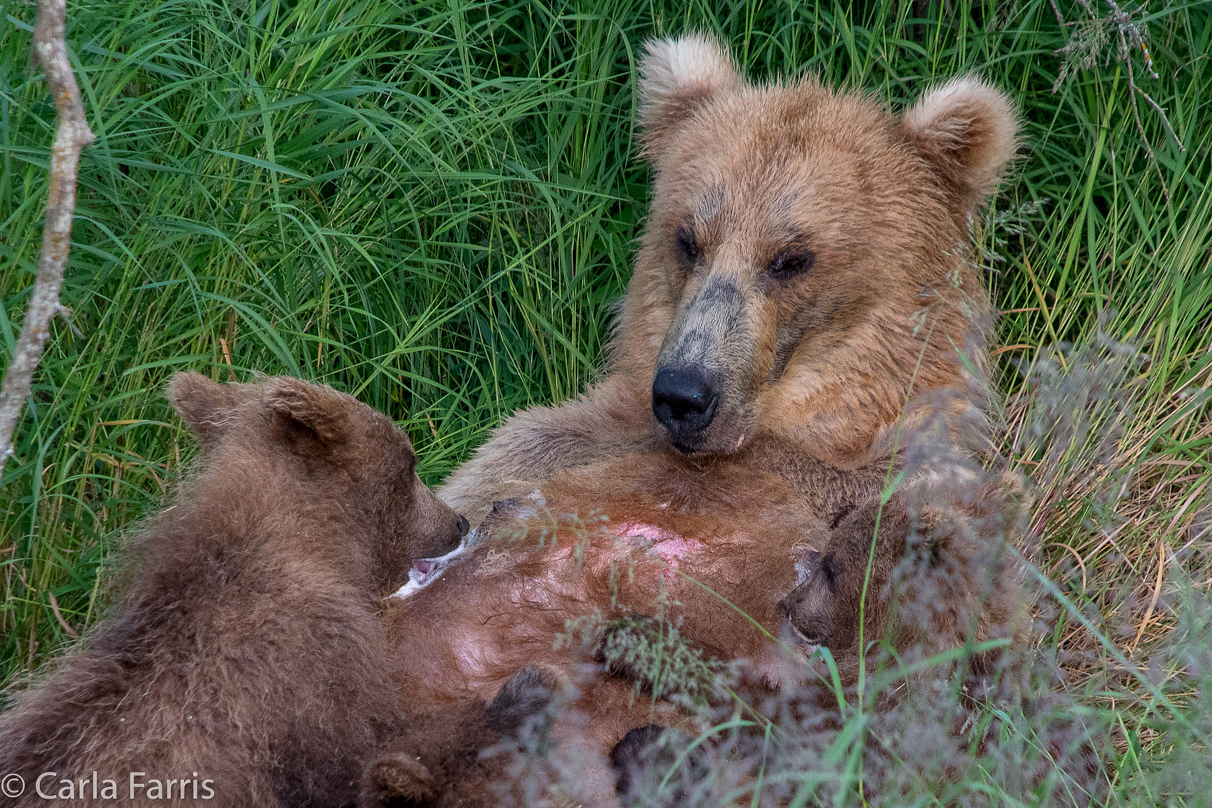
(310, 419)
(677, 76)
(967, 130)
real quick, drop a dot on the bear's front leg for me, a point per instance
(532, 446)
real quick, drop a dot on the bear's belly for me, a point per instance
(489, 610)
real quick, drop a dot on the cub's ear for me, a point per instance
(309, 419)
(806, 563)
(202, 404)
(967, 129)
(677, 76)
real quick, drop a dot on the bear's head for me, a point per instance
(804, 269)
(307, 447)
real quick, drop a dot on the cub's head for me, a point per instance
(823, 610)
(307, 445)
(803, 266)
(827, 606)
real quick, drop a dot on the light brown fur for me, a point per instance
(828, 281)
(248, 648)
(536, 567)
(733, 525)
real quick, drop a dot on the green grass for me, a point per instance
(433, 205)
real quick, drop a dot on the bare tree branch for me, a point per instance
(71, 136)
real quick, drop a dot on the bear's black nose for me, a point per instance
(683, 401)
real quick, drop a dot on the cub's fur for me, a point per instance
(448, 760)
(932, 580)
(247, 650)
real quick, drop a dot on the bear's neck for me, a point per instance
(850, 406)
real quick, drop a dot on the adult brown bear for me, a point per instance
(803, 276)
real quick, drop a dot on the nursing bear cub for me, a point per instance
(246, 664)
(922, 579)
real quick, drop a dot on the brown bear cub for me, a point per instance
(924, 580)
(827, 608)
(938, 579)
(246, 663)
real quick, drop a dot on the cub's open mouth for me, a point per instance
(427, 570)
(808, 645)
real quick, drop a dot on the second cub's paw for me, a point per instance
(524, 700)
(396, 778)
(658, 767)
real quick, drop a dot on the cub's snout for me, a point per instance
(437, 528)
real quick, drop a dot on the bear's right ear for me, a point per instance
(310, 419)
(202, 404)
(677, 76)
